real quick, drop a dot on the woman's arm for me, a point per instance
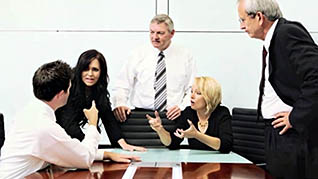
(222, 139)
(156, 125)
(114, 132)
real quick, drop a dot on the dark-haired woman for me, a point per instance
(90, 83)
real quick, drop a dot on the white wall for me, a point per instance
(37, 31)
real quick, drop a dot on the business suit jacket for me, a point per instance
(293, 73)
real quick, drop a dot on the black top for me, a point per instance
(219, 126)
(70, 118)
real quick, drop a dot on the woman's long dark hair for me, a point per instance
(78, 97)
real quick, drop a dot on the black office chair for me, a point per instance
(1, 130)
(137, 131)
(248, 135)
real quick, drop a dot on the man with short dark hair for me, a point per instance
(36, 140)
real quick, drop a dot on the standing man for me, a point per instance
(36, 140)
(2, 133)
(288, 91)
(156, 78)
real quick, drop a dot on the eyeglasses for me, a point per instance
(251, 15)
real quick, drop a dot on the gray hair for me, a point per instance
(269, 8)
(163, 18)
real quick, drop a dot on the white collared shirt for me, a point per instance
(136, 79)
(35, 140)
(271, 103)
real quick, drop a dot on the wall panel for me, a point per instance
(76, 14)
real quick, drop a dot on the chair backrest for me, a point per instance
(1, 130)
(248, 134)
(137, 131)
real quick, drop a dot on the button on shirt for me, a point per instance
(271, 103)
(35, 139)
(136, 78)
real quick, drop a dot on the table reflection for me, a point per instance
(189, 171)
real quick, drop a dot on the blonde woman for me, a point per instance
(206, 124)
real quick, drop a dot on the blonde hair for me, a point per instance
(210, 90)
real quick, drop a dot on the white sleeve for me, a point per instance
(124, 82)
(99, 155)
(56, 147)
(192, 69)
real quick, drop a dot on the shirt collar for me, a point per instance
(166, 51)
(269, 35)
(41, 104)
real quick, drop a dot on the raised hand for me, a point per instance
(155, 123)
(191, 132)
(92, 114)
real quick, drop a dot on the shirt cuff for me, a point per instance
(99, 155)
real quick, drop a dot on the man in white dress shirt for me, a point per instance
(35, 139)
(135, 83)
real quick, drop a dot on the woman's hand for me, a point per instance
(129, 147)
(191, 132)
(120, 157)
(155, 123)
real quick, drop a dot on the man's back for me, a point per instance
(18, 156)
(36, 139)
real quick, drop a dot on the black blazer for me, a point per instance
(293, 73)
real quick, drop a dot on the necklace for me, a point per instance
(203, 126)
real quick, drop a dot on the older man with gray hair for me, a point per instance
(288, 99)
(157, 77)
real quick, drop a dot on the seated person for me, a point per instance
(35, 139)
(206, 124)
(90, 83)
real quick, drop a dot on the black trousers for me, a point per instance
(289, 155)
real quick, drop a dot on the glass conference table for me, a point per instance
(164, 163)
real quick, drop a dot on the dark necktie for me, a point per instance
(262, 84)
(160, 84)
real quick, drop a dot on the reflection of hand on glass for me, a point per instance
(203, 171)
(97, 169)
